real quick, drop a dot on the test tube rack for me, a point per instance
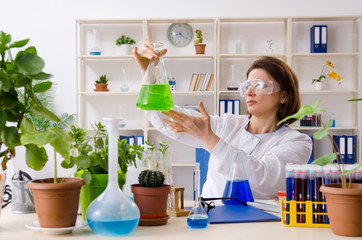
(309, 214)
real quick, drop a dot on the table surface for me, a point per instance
(12, 226)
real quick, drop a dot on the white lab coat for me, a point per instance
(264, 156)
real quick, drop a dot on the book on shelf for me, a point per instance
(201, 81)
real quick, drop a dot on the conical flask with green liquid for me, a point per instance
(155, 91)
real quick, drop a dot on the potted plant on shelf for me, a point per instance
(17, 76)
(91, 161)
(199, 46)
(344, 200)
(319, 82)
(101, 84)
(125, 43)
(151, 196)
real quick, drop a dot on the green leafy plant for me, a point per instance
(321, 133)
(199, 36)
(102, 79)
(93, 158)
(164, 152)
(16, 129)
(125, 40)
(151, 178)
(332, 74)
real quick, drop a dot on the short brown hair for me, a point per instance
(288, 81)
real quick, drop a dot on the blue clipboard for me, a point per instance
(239, 214)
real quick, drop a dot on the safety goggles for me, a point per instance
(258, 87)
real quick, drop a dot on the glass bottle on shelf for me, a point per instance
(124, 86)
(232, 85)
(269, 47)
(95, 50)
(155, 91)
(197, 217)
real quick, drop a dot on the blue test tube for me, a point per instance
(289, 175)
(326, 180)
(297, 186)
(311, 186)
(318, 193)
(304, 190)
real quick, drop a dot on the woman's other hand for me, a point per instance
(145, 53)
(198, 127)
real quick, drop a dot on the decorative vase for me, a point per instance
(56, 203)
(152, 203)
(200, 48)
(344, 208)
(98, 184)
(318, 86)
(125, 49)
(101, 87)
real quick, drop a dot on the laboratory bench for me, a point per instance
(12, 226)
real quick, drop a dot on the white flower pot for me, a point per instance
(318, 86)
(125, 49)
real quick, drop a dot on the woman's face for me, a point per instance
(263, 105)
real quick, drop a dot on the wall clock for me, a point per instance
(179, 34)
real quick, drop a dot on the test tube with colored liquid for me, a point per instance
(311, 186)
(289, 175)
(326, 180)
(297, 185)
(319, 194)
(304, 191)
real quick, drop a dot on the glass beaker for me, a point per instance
(124, 86)
(197, 217)
(232, 85)
(155, 92)
(237, 185)
(113, 213)
(95, 50)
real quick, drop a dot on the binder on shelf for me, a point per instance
(323, 38)
(315, 39)
(129, 139)
(341, 143)
(139, 140)
(230, 106)
(222, 107)
(351, 146)
(236, 107)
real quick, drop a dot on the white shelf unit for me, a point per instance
(291, 43)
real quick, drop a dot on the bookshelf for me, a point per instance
(290, 38)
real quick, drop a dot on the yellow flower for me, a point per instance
(338, 78)
(333, 75)
(329, 63)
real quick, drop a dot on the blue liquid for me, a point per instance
(239, 189)
(113, 228)
(198, 221)
(95, 53)
(289, 196)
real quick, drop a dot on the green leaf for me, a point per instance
(325, 159)
(42, 87)
(4, 81)
(355, 99)
(43, 112)
(70, 164)
(18, 44)
(87, 177)
(5, 38)
(83, 161)
(36, 157)
(31, 49)
(321, 133)
(10, 136)
(3, 118)
(352, 170)
(8, 100)
(29, 63)
(26, 125)
(99, 143)
(41, 76)
(60, 141)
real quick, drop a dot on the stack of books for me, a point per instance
(201, 81)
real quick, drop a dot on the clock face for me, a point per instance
(179, 34)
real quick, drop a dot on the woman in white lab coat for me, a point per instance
(271, 93)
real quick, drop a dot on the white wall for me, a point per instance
(50, 25)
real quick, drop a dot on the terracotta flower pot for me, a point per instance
(101, 87)
(200, 48)
(344, 208)
(56, 203)
(152, 202)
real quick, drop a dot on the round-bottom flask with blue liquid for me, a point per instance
(113, 213)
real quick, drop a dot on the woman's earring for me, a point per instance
(283, 101)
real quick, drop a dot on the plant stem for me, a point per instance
(55, 167)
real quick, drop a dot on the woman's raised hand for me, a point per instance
(145, 53)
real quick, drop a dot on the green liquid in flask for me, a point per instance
(155, 97)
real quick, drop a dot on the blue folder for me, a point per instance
(238, 214)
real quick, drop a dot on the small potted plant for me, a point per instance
(319, 82)
(18, 75)
(344, 200)
(151, 196)
(91, 161)
(125, 43)
(199, 46)
(101, 84)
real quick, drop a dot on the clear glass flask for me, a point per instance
(95, 50)
(237, 185)
(124, 86)
(232, 85)
(155, 92)
(197, 217)
(112, 213)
